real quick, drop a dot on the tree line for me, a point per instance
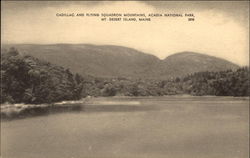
(223, 83)
(25, 79)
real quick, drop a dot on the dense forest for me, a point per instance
(223, 83)
(25, 79)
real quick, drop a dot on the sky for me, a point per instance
(220, 29)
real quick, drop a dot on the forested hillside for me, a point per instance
(222, 83)
(25, 79)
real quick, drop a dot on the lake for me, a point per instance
(139, 127)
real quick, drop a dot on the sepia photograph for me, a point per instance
(124, 79)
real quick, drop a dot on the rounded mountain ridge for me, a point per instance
(120, 61)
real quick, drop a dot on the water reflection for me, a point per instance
(95, 105)
(176, 128)
(78, 108)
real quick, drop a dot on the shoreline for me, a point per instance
(16, 111)
(20, 110)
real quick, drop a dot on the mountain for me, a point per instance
(102, 61)
(118, 61)
(184, 63)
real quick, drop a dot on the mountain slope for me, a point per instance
(102, 61)
(184, 63)
(117, 61)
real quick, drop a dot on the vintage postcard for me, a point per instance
(125, 79)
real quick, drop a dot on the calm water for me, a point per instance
(169, 127)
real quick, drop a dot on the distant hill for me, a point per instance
(184, 63)
(117, 61)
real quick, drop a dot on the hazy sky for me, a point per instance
(220, 28)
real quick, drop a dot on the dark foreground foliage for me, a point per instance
(25, 79)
